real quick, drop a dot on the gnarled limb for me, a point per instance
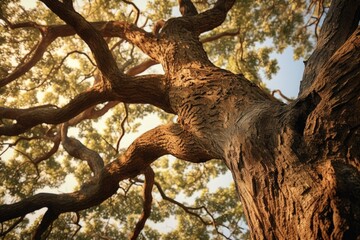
(341, 21)
(27, 118)
(166, 139)
(47, 220)
(150, 89)
(76, 149)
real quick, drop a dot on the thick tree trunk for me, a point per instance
(296, 167)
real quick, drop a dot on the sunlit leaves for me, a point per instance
(278, 24)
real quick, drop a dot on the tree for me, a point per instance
(295, 166)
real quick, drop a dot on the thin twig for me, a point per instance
(3, 233)
(136, 9)
(220, 35)
(281, 95)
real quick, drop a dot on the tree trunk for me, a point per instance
(296, 167)
(298, 170)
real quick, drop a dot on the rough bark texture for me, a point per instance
(296, 167)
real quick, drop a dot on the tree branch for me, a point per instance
(166, 139)
(137, 10)
(187, 8)
(151, 89)
(27, 118)
(47, 220)
(102, 54)
(27, 65)
(106, 63)
(189, 210)
(3, 233)
(122, 125)
(148, 186)
(131, 33)
(92, 113)
(340, 22)
(141, 67)
(281, 95)
(48, 154)
(77, 150)
(212, 18)
(220, 35)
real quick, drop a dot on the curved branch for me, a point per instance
(76, 222)
(92, 113)
(220, 35)
(137, 10)
(103, 57)
(148, 186)
(166, 139)
(77, 150)
(39, 51)
(141, 67)
(340, 22)
(48, 154)
(281, 95)
(187, 209)
(30, 117)
(211, 18)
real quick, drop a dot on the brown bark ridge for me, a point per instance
(296, 167)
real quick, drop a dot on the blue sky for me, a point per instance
(289, 76)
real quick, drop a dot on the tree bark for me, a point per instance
(296, 167)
